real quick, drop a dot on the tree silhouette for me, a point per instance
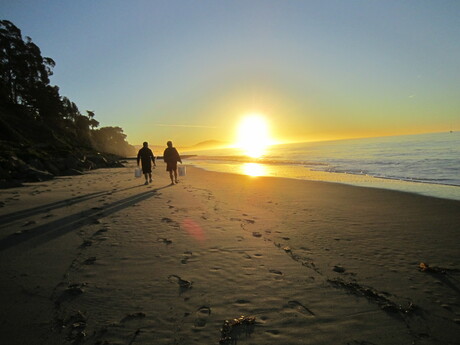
(24, 72)
(25, 85)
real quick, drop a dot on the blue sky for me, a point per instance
(189, 70)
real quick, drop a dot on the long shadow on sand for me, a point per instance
(11, 217)
(46, 232)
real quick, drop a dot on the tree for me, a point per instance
(92, 122)
(112, 140)
(25, 88)
(24, 72)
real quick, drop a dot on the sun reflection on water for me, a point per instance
(254, 169)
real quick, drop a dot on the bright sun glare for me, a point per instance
(253, 135)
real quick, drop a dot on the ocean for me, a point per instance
(427, 164)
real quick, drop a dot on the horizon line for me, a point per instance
(180, 125)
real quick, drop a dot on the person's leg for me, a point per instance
(150, 177)
(171, 176)
(146, 179)
(175, 175)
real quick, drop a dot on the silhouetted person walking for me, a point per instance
(171, 157)
(146, 156)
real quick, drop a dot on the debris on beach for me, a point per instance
(374, 296)
(231, 329)
(424, 267)
(76, 326)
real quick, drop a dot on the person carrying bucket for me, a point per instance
(171, 157)
(146, 156)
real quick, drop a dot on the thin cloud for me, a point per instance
(186, 126)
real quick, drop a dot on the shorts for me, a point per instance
(147, 168)
(171, 166)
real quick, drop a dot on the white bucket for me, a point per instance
(182, 170)
(137, 172)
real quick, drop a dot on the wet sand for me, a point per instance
(103, 259)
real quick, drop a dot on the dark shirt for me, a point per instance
(145, 154)
(171, 155)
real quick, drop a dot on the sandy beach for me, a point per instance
(102, 259)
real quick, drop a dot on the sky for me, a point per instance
(190, 70)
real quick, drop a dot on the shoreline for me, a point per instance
(102, 258)
(436, 190)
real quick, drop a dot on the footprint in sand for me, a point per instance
(90, 261)
(164, 240)
(86, 243)
(30, 222)
(100, 232)
(71, 292)
(338, 269)
(134, 316)
(183, 284)
(187, 256)
(276, 272)
(242, 302)
(202, 315)
(300, 308)
(256, 234)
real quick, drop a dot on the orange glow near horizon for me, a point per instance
(253, 135)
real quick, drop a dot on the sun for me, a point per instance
(253, 135)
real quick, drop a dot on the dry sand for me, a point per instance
(103, 259)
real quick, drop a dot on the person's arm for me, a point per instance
(138, 157)
(178, 157)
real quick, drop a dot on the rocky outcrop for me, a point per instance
(21, 163)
